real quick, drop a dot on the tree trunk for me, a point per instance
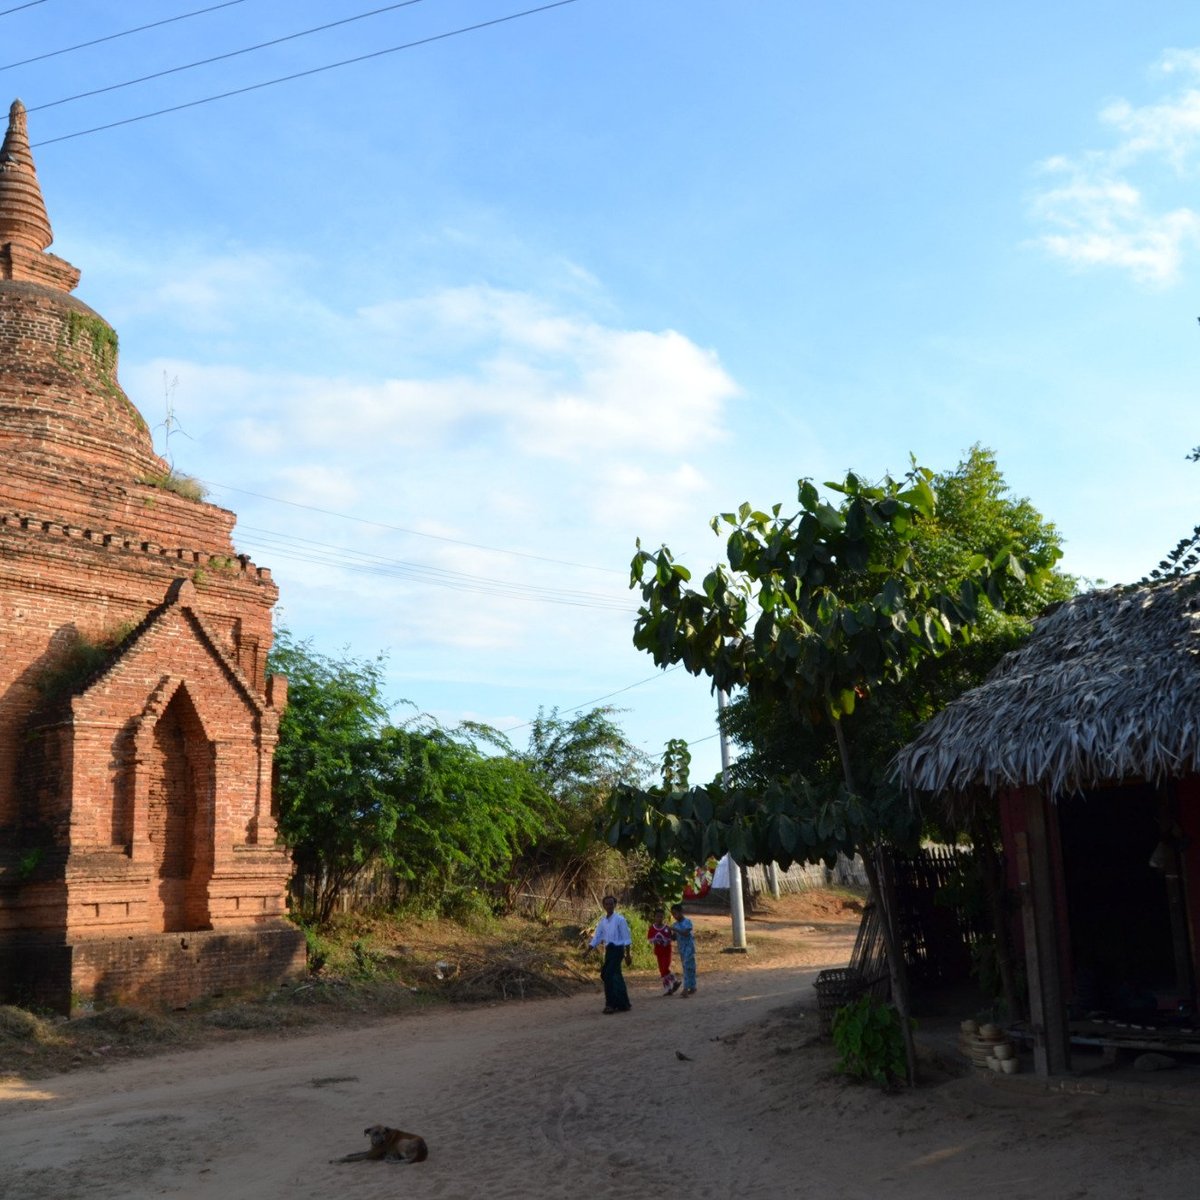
(884, 899)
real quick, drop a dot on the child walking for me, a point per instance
(681, 931)
(659, 933)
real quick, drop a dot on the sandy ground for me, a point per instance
(727, 1093)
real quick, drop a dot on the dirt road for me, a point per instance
(551, 1099)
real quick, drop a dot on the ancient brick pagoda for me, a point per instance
(138, 856)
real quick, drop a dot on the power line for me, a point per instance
(308, 550)
(204, 62)
(437, 37)
(600, 699)
(113, 36)
(31, 4)
(560, 562)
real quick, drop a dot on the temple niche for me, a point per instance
(138, 852)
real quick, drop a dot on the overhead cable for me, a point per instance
(346, 62)
(283, 545)
(31, 4)
(204, 62)
(600, 699)
(112, 37)
(437, 537)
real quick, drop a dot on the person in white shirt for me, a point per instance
(613, 930)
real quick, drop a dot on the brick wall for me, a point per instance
(135, 805)
(169, 970)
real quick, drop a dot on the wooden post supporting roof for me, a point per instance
(1047, 1007)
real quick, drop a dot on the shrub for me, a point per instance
(81, 658)
(870, 1041)
(175, 481)
(18, 1025)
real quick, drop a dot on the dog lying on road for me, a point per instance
(392, 1145)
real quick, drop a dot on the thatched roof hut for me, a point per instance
(1106, 689)
(1085, 742)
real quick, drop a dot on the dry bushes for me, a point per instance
(130, 1023)
(18, 1025)
(506, 973)
(254, 1017)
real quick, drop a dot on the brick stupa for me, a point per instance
(138, 854)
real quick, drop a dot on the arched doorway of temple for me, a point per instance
(180, 816)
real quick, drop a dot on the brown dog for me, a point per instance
(392, 1145)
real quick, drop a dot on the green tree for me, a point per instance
(975, 515)
(578, 760)
(448, 811)
(467, 811)
(845, 608)
(335, 809)
(1184, 557)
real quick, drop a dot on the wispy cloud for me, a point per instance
(527, 380)
(491, 416)
(1111, 207)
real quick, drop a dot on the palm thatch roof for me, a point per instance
(1107, 688)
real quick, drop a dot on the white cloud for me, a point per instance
(531, 380)
(1106, 222)
(1097, 216)
(638, 498)
(521, 425)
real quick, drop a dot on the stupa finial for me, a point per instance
(23, 219)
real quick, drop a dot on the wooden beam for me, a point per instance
(1047, 1005)
(1032, 962)
(1175, 879)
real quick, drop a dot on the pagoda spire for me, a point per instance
(23, 219)
(24, 226)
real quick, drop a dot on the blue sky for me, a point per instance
(502, 303)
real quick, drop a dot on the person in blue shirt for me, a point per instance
(613, 930)
(685, 941)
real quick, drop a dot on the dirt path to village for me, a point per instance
(726, 1093)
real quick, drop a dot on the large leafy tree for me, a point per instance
(443, 809)
(578, 759)
(335, 809)
(975, 515)
(815, 614)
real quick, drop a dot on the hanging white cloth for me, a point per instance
(721, 874)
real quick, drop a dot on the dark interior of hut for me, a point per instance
(1124, 908)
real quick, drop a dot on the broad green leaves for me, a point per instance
(816, 614)
(843, 603)
(354, 789)
(790, 821)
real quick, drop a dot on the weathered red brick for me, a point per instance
(135, 798)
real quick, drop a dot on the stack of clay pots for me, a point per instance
(986, 1046)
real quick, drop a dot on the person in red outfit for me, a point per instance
(659, 934)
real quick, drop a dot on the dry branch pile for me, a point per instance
(506, 973)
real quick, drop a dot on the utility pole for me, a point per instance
(736, 909)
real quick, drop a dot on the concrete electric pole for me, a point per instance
(737, 911)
